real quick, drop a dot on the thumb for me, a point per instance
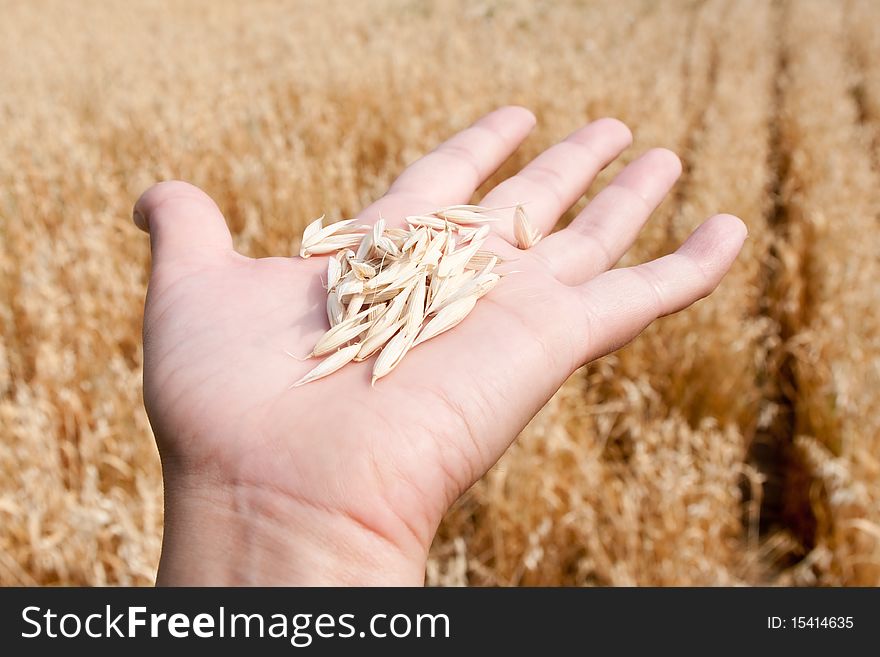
(183, 222)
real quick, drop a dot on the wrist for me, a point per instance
(221, 534)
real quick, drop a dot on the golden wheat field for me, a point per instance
(737, 442)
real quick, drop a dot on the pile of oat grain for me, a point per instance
(390, 289)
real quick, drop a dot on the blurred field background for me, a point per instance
(735, 443)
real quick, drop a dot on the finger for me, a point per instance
(620, 303)
(607, 227)
(451, 173)
(558, 177)
(183, 222)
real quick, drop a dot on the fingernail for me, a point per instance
(139, 220)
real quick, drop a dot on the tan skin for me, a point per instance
(337, 482)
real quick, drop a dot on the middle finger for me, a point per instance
(558, 177)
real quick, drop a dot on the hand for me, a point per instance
(337, 482)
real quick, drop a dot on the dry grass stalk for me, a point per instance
(402, 286)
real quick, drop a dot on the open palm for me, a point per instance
(372, 470)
